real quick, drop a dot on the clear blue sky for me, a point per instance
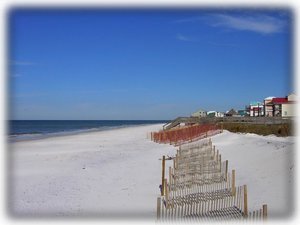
(145, 64)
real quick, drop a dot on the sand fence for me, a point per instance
(199, 187)
(186, 134)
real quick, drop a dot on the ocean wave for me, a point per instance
(40, 135)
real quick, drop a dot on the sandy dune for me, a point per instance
(116, 173)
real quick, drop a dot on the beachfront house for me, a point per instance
(268, 109)
(276, 105)
(231, 112)
(199, 113)
(215, 114)
(242, 112)
(211, 114)
(283, 107)
(256, 108)
(289, 108)
(220, 114)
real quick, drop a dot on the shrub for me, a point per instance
(261, 129)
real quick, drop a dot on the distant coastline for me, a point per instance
(20, 130)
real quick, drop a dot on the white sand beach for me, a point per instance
(116, 173)
(266, 165)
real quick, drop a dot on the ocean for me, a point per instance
(36, 129)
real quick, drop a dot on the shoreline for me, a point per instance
(11, 140)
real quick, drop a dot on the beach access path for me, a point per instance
(116, 173)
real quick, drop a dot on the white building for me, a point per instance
(282, 107)
(215, 114)
(199, 113)
(288, 108)
(256, 109)
(268, 110)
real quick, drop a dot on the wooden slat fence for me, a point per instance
(178, 136)
(199, 188)
(203, 204)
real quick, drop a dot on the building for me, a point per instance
(215, 114)
(289, 107)
(242, 112)
(268, 109)
(256, 109)
(283, 107)
(199, 113)
(231, 112)
(220, 114)
(276, 105)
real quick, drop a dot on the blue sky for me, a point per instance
(145, 64)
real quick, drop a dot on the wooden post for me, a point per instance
(163, 176)
(174, 164)
(260, 214)
(245, 201)
(158, 209)
(226, 169)
(233, 183)
(166, 193)
(215, 153)
(170, 174)
(265, 212)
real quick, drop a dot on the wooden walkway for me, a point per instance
(200, 188)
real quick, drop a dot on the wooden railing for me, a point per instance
(179, 120)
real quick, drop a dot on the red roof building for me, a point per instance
(282, 107)
(279, 100)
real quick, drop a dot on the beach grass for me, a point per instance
(280, 130)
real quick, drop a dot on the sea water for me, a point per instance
(36, 129)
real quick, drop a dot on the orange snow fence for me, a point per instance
(185, 134)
